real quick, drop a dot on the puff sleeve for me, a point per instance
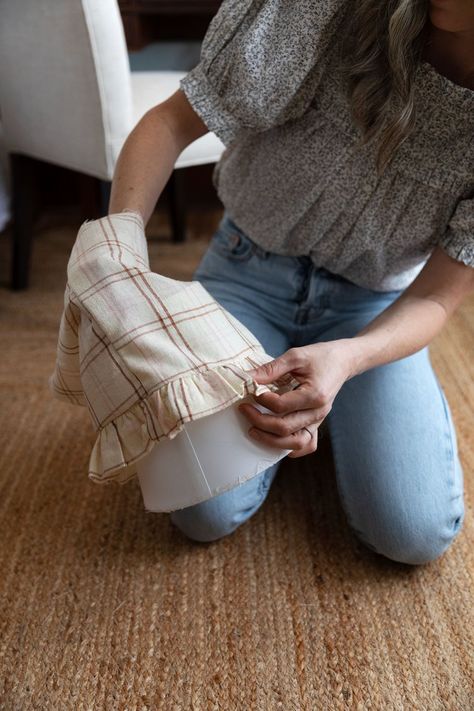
(458, 239)
(260, 63)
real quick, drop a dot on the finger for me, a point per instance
(304, 399)
(311, 446)
(281, 404)
(283, 426)
(301, 398)
(299, 441)
(274, 369)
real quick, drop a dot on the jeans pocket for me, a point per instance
(231, 242)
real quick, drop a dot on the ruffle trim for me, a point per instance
(121, 443)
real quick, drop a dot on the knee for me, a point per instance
(204, 522)
(415, 542)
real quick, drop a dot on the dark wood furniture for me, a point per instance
(148, 20)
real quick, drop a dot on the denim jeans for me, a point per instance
(395, 451)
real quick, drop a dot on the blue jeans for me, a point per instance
(395, 451)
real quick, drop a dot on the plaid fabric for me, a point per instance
(143, 352)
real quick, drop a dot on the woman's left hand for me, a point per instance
(321, 369)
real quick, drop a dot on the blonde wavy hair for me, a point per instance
(381, 50)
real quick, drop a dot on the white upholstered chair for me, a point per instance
(68, 97)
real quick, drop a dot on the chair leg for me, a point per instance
(24, 201)
(175, 188)
(105, 187)
(94, 196)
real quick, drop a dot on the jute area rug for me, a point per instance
(106, 607)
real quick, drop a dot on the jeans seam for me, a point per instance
(346, 508)
(449, 445)
(448, 437)
(263, 487)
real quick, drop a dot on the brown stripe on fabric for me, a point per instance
(120, 410)
(107, 239)
(146, 404)
(119, 439)
(91, 355)
(105, 343)
(153, 308)
(84, 364)
(104, 282)
(74, 311)
(67, 350)
(235, 326)
(92, 412)
(115, 239)
(93, 477)
(65, 390)
(110, 279)
(214, 307)
(198, 386)
(176, 402)
(126, 217)
(185, 399)
(72, 395)
(129, 217)
(123, 369)
(150, 323)
(180, 334)
(253, 362)
(119, 366)
(70, 335)
(78, 250)
(95, 333)
(117, 469)
(235, 373)
(139, 334)
(72, 326)
(100, 245)
(134, 333)
(145, 354)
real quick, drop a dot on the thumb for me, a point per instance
(274, 369)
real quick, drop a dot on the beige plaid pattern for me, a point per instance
(143, 352)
